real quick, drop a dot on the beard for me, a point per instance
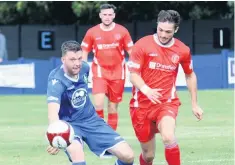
(107, 24)
(164, 43)
(70, 72)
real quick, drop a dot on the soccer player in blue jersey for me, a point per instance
(68, 100)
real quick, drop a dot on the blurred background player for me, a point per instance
(154, 107)
(3, 48)
(68, 100)
(108, 41)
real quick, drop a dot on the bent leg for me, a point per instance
(148, 152)
(75, 153)
(123, 152)
(145, 131)
(167, 131)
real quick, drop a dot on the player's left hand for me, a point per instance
(198, 112)
(52, 150)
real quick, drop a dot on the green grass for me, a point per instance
(208, 142)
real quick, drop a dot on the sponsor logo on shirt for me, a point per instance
(156, 65)
(79, 98)
(107, 46)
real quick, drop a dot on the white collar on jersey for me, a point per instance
(155, 37)
(109, 29)
(68, 77)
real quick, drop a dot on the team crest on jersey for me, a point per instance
(117, 36)
(79, 97)
(175, 58)
(85, 78)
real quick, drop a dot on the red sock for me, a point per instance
(113, 120)
(100, 113)
(172, 154)
(143, 162)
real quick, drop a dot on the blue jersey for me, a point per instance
(71, 94)
(76, 108)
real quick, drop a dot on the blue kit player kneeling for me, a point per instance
(68, 100)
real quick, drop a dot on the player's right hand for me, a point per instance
(52, 150)
(154, 95)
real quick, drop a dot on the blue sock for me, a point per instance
(119, 162)
(79, 163)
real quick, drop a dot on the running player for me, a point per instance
(154, 106)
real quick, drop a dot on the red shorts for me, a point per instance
(112, 88)
(145, 121)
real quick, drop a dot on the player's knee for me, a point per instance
(123, 152)
(148, 156)
(168, 137)
(99, 101)
(99, 105)
(112, 107)
(76, 152)
(128, 157)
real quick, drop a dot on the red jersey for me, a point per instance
(108, 48)
(158, 66)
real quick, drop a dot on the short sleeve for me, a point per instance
(128, 43)
(136, 59)
(87, 42)
(55, 90)
(186, 62)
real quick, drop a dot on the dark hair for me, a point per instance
(108, 6)
(73, 46)
(171, 16)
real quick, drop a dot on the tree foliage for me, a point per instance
(86, 12)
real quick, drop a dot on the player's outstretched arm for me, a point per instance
(53, 110)
(191, 80)
(138, 82)
(54, 92)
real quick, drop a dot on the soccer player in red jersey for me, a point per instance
(108, 41)
(153, 64)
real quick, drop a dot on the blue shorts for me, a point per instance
(97, 134)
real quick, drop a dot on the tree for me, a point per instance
(8, 12)
(87, 11)
(67, 12)
(45, 12)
